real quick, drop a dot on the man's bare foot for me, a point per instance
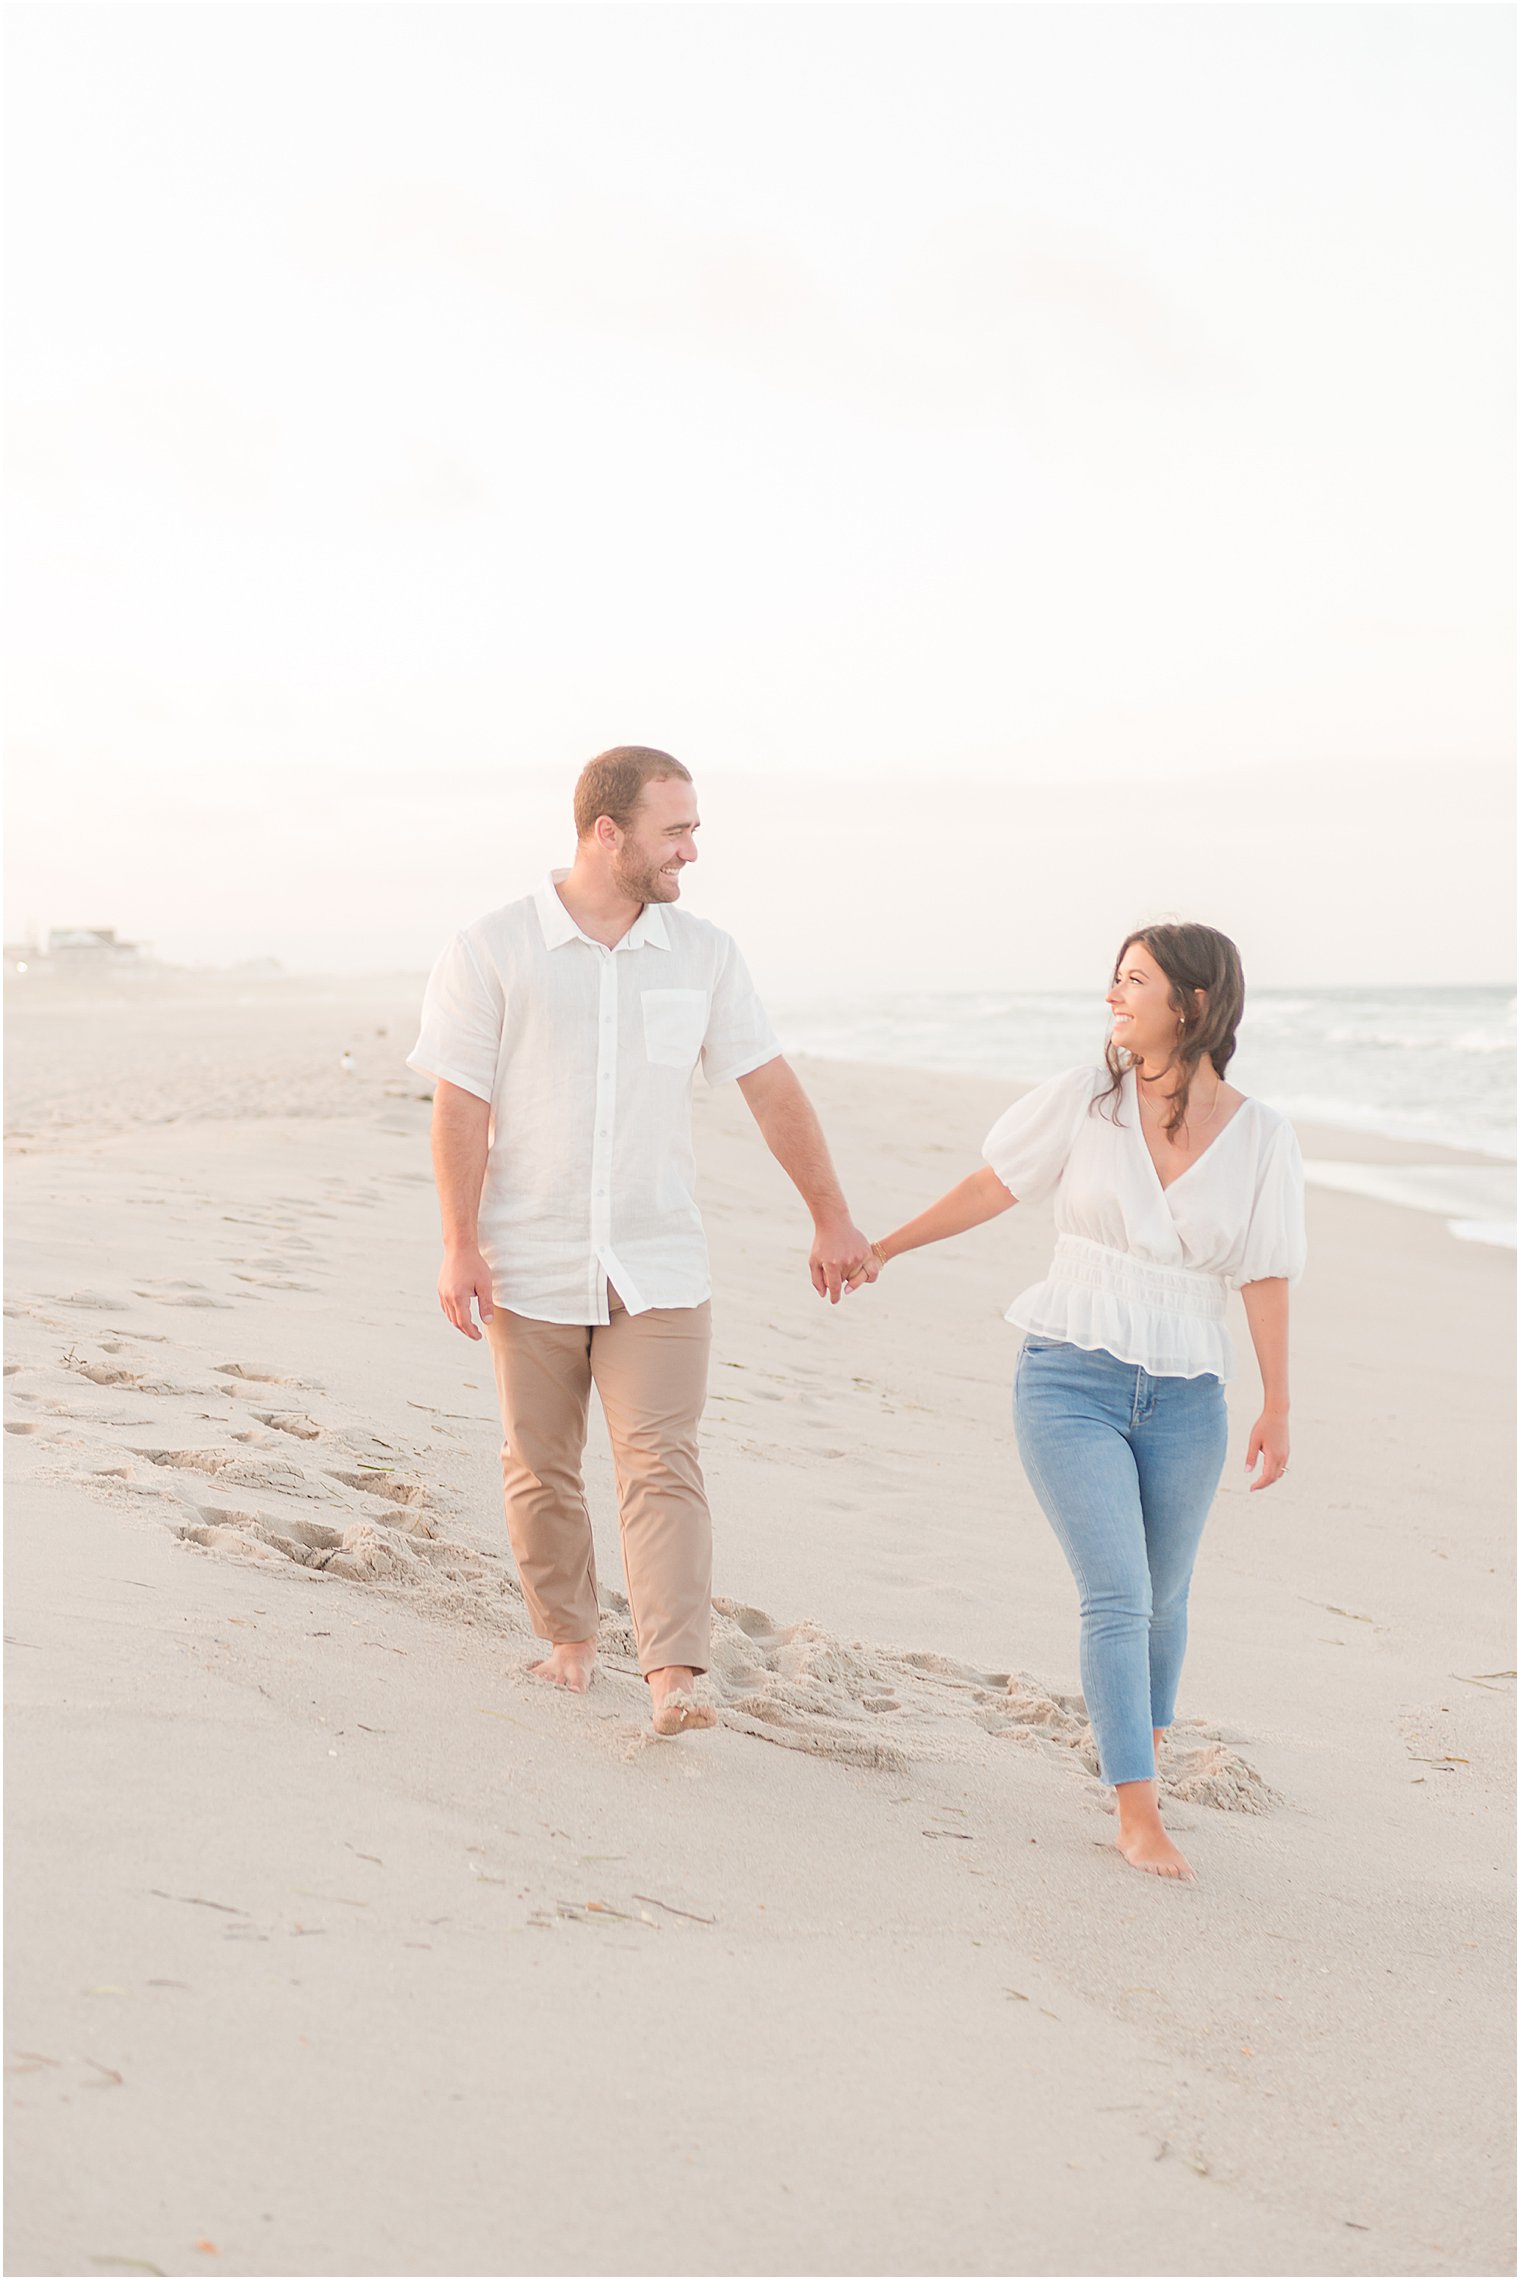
(569, 1666)
(673, 1709)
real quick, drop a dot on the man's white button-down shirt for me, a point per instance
(586, 1056)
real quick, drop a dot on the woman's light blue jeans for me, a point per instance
(1125, 1466)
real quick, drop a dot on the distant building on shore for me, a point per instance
(76, 950)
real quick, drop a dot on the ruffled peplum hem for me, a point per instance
(1167, 1320)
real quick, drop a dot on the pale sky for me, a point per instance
(1080, 432)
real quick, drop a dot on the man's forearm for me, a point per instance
(461, 1130)
(794, 1136)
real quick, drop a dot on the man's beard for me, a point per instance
(641, 878)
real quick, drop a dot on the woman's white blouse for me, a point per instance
(1143, 1271)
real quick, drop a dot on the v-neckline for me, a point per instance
(1165, 1187)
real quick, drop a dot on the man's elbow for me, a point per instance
(457, 1106)
(773, 1081)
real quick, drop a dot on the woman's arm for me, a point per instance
(979, 1197)
(1266, 1305)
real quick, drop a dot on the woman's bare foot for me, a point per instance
(1141, 1839)
(1153, 1849)
(673, 1710)
(569, 1666)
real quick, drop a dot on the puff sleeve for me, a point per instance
(1274, 1240)
(463, 1013)
(1030, 1142)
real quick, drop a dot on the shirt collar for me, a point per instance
(648, 931)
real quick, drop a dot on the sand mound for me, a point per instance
(371, 1519)
(1215, 1776)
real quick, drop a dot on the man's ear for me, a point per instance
(606, 834)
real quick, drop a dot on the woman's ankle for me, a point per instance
(1138, 1803)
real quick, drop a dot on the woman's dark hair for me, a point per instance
(1192, 958)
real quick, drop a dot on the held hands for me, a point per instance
(841, 1258)
(465, 1276)
(1269, 1441)
(869, 1268)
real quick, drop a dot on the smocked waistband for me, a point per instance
(1173, 1290)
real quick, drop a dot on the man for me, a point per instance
(562, 1034)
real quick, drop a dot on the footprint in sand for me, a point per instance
(250, 1464)
(309, 1543)
(237, 1470)
(257, 1437)
(103, 1373)
(254, 1373)
(243, 1540)
(178, 1294)
(299, 1426)
(367, 1551)
(383, 1484)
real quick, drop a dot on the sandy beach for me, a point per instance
(339, 1946)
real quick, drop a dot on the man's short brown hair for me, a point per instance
(613, 784)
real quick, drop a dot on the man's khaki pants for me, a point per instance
(650, 1371)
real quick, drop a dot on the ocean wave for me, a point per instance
(1500, 1232)
(1435, 1067)
(1492, 1135)
(1420, 1041)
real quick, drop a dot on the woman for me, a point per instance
(1170, 1188)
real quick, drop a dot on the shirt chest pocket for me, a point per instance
(675, 1023)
